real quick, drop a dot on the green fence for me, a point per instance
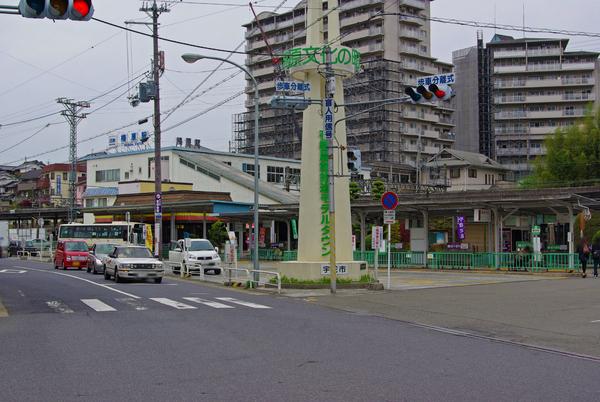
(506, 261)
(401, 259)
(457, 260)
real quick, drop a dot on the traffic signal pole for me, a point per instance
(155, 12)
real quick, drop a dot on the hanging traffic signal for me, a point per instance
(76, 10)
(354, 160)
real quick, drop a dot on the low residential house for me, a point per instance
(463, 171)
(28, 189)
(58, 181)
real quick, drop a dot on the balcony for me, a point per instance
(510, 99)
(412, 34)
(419, 4)
(417, 20)
(502, 54)
(517, 114)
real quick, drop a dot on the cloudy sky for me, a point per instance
(41, 60)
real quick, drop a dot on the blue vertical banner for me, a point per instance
(460, 227)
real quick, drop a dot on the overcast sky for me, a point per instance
(41, 60)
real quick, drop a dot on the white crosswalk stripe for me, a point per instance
(207, 302)
(173, 303)
(59, 307)
(241, 303)
(98, 305)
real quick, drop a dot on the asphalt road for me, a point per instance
(74, 336)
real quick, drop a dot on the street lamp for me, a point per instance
(192, 58)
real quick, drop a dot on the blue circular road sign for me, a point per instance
(389, 200)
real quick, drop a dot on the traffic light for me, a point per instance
(430, 93)
(290, 102)
(76, 10)
(354, 160)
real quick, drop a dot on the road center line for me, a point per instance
(82, 279)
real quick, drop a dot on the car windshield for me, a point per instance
(76, 246)
(201, 245)
(133, 252)
(104, 248)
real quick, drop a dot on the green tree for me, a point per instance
(217, 234)
(572, 156)
(377, 189)
(354, 190)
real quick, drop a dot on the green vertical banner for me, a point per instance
(294, 229)
(324, 187)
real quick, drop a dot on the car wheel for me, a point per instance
(117, 278)
(217, 271)
(106, 275)
(157, 280)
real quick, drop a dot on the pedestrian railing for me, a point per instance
(258, 279)
(529, 262)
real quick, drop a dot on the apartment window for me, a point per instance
(108, 175)
(52, 176)
(102, 202)
(455, 173)
(89, 203)
(274, 174)
(126, 175)
(473, 173)
(65, 178)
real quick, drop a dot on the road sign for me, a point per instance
(389, 216)
(389, 200)
(447, 79)
(536, 230)
(292, 86)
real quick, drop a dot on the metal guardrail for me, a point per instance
(260, 282)
(230, 274)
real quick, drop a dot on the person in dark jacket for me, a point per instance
(584, 252)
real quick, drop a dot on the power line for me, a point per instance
(30, 137)
(214, 49)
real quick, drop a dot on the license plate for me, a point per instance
(75, 263)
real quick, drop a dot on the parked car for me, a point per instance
(36, 245)
(196, 253)
(132, 262)
(71, 254)
(96, 255)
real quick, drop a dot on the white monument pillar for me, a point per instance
(308, 64)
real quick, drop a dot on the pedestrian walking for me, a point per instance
(584, 252)
(596, 256)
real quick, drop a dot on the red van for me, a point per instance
(71, 254)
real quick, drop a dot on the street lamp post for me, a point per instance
(192, 58)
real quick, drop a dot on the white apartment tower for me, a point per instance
(394, 38)
(527, 88)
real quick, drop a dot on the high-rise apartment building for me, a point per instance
(525, 89)
(394, 38)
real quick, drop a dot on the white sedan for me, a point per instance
(131, 262)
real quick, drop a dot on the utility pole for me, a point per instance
(329, 93)
(155, 11)
(73, 115)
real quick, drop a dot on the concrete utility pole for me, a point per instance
(154, 11)
(73, 115)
